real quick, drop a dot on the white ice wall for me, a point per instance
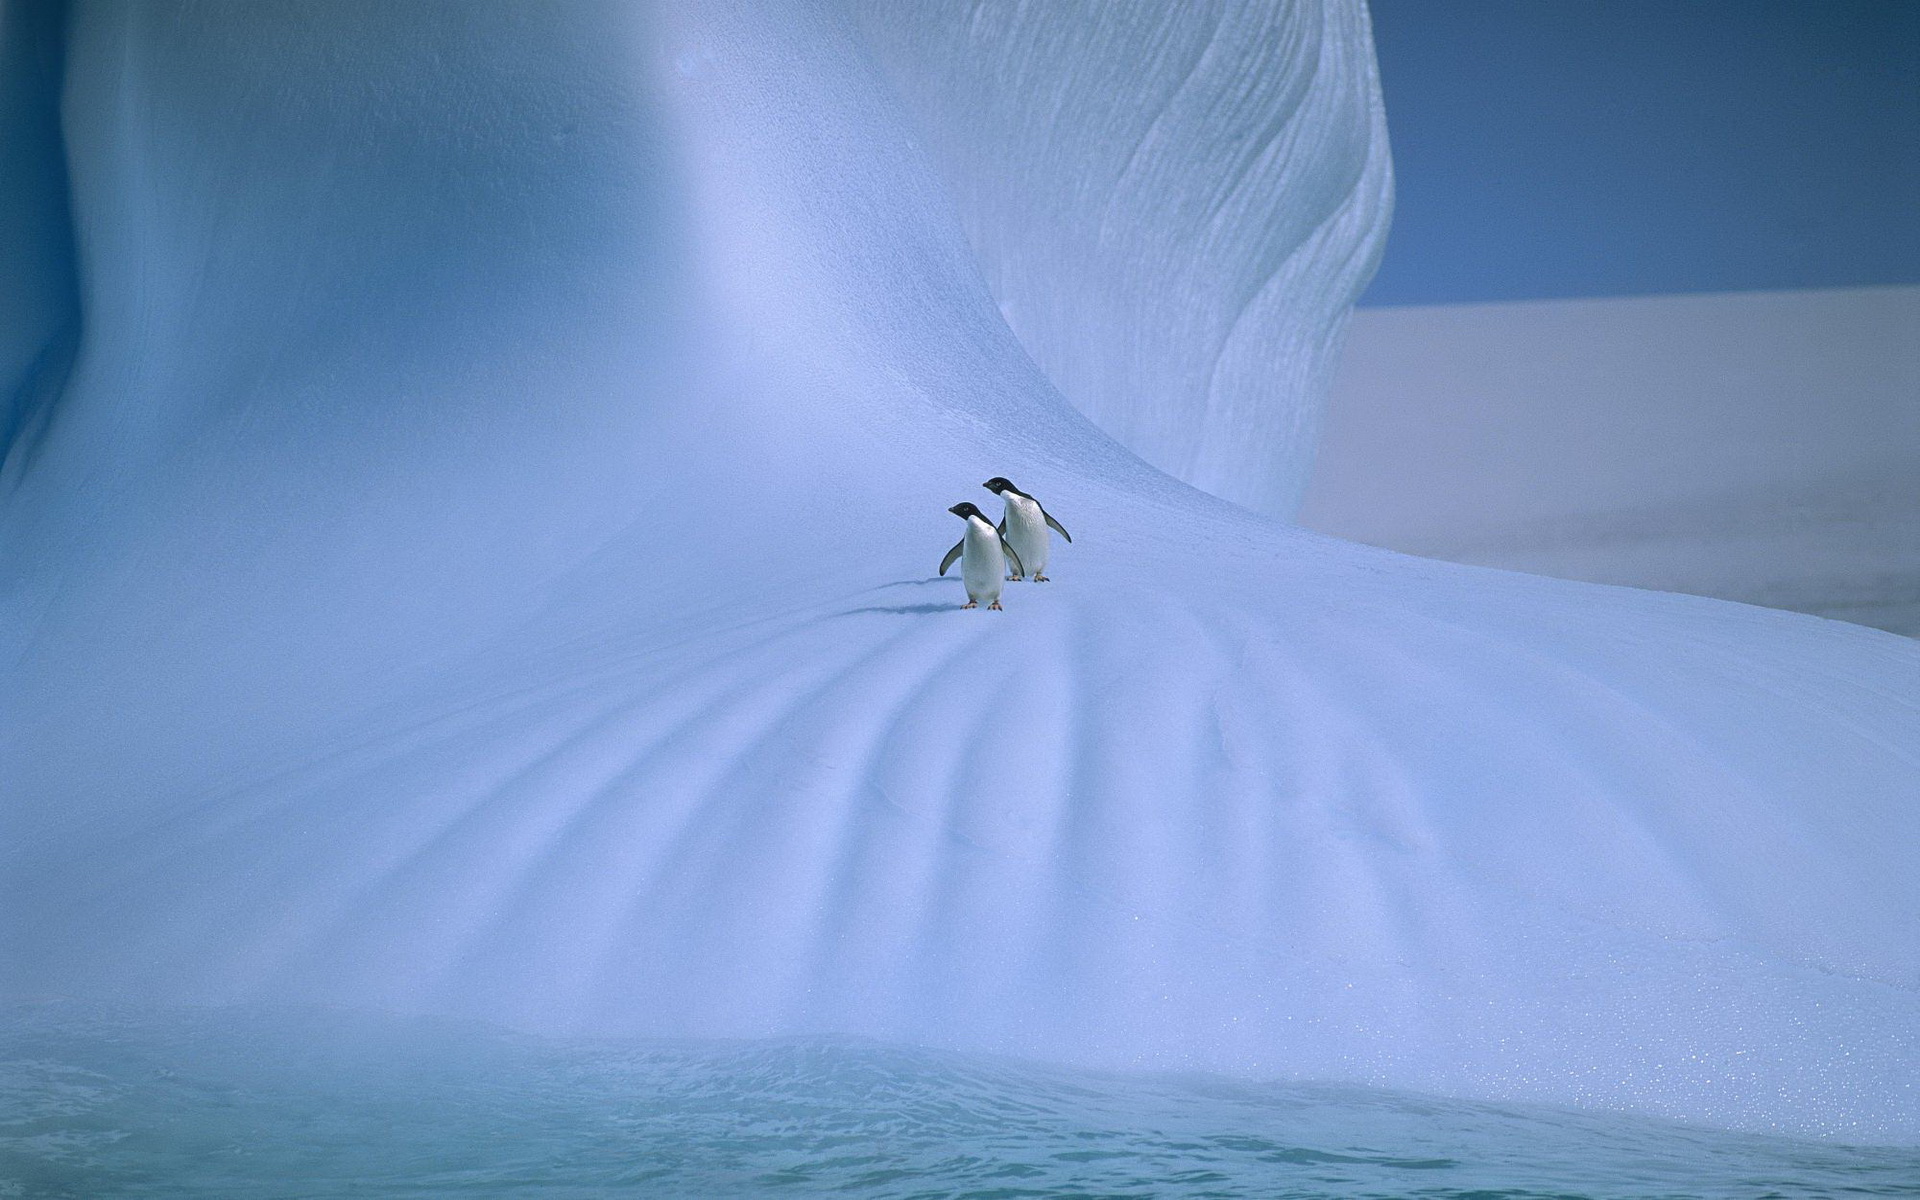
(1174, 205)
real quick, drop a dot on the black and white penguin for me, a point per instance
(984, 557)
(1025, 527)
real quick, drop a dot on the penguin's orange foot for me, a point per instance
(995, 607)
(971, 604)
(1040, 579)
(1013, 579)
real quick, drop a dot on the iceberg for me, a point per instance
(479, 560)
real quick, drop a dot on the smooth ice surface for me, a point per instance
(482, 563)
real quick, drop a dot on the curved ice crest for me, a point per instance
(1174, 205)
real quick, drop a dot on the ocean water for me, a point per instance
(100, 1102)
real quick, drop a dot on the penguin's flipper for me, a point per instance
(1002, 527)
(1013, 558)
(1057, 526)
(951, 555)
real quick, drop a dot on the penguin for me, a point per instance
(984, 556)
(1024, 526)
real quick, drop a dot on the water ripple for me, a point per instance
(103, 1102)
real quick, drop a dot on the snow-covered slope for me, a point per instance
(483, 562)
(1758, 446)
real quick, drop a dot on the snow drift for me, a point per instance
(481, 562)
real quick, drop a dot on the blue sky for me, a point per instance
(1554, 148)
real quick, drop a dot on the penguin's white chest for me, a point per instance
(982, 567)
(1027, 533)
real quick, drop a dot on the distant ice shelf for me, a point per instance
(1755, 446)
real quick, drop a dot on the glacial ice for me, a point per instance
(481, 562)
(1175, 210)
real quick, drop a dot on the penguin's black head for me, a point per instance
(963, 510)
(999, 484)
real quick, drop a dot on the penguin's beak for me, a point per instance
(955, 510)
